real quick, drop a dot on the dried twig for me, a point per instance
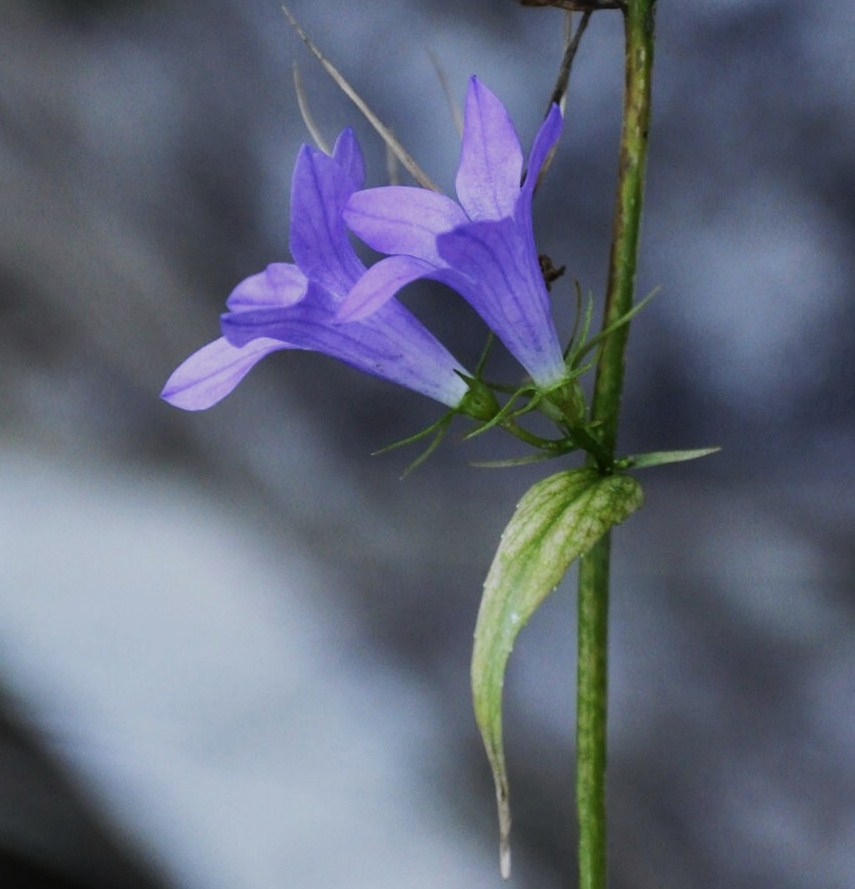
(384, 132)
(577, 5)
(559, 93)
(308, 120)
(452, 102)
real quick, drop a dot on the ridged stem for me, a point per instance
(593, 595)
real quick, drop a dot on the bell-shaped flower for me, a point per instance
(295, 306)
(482, 247)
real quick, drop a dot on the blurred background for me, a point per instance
(233, 645)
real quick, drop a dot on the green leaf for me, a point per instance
(559, 519)
(660, 458)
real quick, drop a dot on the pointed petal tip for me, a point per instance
(180, 400)
(346, 136)
(491, 158)
(348, 155)
(280, 284)
(476, 85)
(545, 139)
(482, 95)
(187, 397)
(211, 373)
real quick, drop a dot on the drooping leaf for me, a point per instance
(558, 519)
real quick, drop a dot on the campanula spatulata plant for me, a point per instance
(481, 245)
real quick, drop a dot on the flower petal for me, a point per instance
(380, 283)
(391, 343)
(348, 155)
(294, 306)
(402, 219)
(547, 136)
(500, 277)
(319, 243)
(280, 284)
(488, 178)
(412, 356)
(208, 375)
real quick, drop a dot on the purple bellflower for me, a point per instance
(482, 247)
(290, 306)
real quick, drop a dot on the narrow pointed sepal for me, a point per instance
(661, 458)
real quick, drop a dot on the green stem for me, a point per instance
(638, 17)
(591, 698)
(592, 669)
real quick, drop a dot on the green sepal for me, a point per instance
(576, 355)
(660, 458)
(485, 354)
(478, 402)
(437, 429)
(438, 426)
(559, 519)
(526, 460)
(581, 324)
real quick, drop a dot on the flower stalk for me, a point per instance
(593, 588)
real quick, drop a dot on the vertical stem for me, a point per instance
(591, 697)
(638, 21)
(592, 670)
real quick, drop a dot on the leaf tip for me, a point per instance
(505, 858)
(504, 828)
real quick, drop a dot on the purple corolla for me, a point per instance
(291, 306)
(482, 247)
